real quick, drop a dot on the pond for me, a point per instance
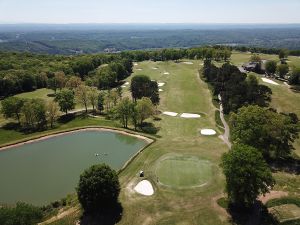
(47, 170)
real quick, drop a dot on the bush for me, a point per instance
(98, 188)
(21, 214)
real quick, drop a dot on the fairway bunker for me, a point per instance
(170, 113)
(166, 73)
(135, 64)
(188, 63)
(144, 188)
(208, 132)
(139, 69)
(269, 81)
(154, 68)
(179, 171)
(160, 90)
(161, 84)
(190, 115)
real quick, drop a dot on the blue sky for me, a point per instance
(149, 11)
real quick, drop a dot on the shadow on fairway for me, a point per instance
(107, 217)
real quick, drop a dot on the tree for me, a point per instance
(294, 79)
(142, 86)
(52, 112)
(271, 67)
(255, 58)
(60, 79)
(21, 214)
(82, 96)
(145, 109)
(100, 103)
(98, 188)
(73, 82)
(93, 94)
(247, 175)
(283, 54)
(282, 70)
(34, 114)
(123, 111)
(106, 77)
(66, 100)
(11, 107)
(266, 130)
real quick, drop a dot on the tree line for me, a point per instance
(259, 134)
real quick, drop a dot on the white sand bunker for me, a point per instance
(154, 68)
(123, 86)
(127, 83)
(208, 132)
(160, 90)
(135, 64)
(170, 113)
(144, 188)
(269, 81)
(190, 115)
(161, 84)
(188, 63)
(166, 73)
(139, 69)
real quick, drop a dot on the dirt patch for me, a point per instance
(223, 215)
(60, 215)
(272, 195)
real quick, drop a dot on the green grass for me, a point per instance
(42, 93)
(183, 171)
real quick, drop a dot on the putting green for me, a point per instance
(183, 171)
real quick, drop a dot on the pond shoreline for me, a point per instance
(75, 130)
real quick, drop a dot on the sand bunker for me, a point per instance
(139, 69)
(188, 63)
(135, 64)
(127, 83)
(154, 68)
(190, 115)
(170, 113)
(161, 84)
(123, 86)
(166, 73)
(144, 188)
(269, 81)
(160, 90)
(208, 132)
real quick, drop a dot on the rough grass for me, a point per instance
(286, 212)
(283, 201)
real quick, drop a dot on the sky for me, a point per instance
(149, 11)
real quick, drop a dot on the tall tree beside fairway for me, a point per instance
(52, 112)
(11, 107)
(282, 70)
(145, 109)
(98, 189)
(294, 79)
(255, 58)
(247, 175)
(66, 100)
(123, 111)
(81, 93)
(271, 133)
(271, 67)
(141, 86)
(283, 54)
(60, 79)
(93, 96)
(73, 82)
(34, 114)
(100, 101)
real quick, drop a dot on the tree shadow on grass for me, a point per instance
(149, 128)
(66, 118)
(288, 165)
(110, 216)
(256, 215)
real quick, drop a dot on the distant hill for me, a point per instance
(93, 38)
